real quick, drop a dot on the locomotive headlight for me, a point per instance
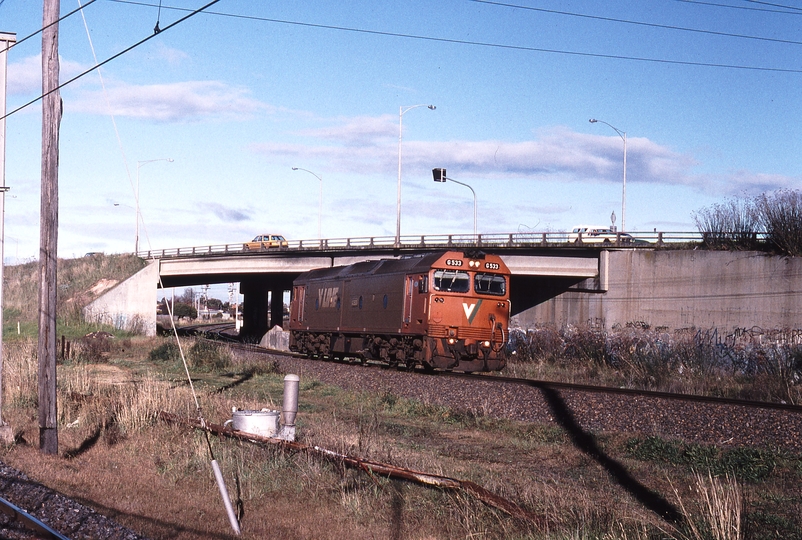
(473, 264)
(486, 344)
(451, 341)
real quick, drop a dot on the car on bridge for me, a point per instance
(265, 241)
(595, 234)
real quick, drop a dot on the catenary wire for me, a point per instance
(71, 13)
(637, 23)
(775, 5)
(746, 8)
(481, 43)
(109, 59)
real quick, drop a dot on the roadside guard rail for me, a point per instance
(637, 240)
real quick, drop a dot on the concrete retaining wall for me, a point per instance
(130, 305)
(683, 289)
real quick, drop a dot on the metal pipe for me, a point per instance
(289, 407)
(221, 485)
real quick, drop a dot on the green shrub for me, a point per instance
(745, 464)
(166, 352)
(208, 355)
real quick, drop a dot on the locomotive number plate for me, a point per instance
(492, 266)
(453, 262)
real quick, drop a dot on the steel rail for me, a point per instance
(626, 391)
(493, 378)
(31, 523)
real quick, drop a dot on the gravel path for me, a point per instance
(575, 411)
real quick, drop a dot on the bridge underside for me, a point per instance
(534, 280)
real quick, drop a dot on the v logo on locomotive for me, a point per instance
(471, 310)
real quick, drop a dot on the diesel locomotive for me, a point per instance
(445, 311)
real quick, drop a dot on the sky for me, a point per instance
(209, 116)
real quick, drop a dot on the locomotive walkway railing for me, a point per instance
(650, 240)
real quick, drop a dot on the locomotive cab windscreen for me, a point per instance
(455, 281)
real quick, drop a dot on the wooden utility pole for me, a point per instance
(48, 243)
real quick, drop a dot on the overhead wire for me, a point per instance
(36, 33)
(637, 23)
(746, 8)
(775, 5)
(489, 44)
(109, 59)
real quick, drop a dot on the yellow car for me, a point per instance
(265, 241)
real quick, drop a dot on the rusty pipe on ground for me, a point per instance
(371, 467)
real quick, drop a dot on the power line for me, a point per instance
(746, 8)
(71, 13)
(775, 5)
(483, 44)
(106, 61)
(637, 23)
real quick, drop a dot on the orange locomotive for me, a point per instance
(441, 310)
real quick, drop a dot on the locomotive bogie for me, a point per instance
(444, 311)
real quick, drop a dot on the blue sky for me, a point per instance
(707, 92)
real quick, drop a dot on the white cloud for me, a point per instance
(368, 144)
(360, 130)
(174, 102)
(226, 214)
(25, 76)
(171, 55)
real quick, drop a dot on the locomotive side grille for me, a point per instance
(441, 331)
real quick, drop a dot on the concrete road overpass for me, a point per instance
(666, 280)
(537, 274)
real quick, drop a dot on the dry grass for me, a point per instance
(762, 366)
(156, 478)
(80, 281)
(720, 504)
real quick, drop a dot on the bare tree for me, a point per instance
(734, 224)
(781, 214)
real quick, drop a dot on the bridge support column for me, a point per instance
(262, 307)
(254, 310)
(276, 307)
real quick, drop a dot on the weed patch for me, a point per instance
(745, 464)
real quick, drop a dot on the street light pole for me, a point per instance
(138, 165)
(440, 176)
(623, 135)
(320, 201)
(6, 41)
(401, 111)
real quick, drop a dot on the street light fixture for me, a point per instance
(440, 176)
(401, 111)
(320, 203)
(623, 135)
(138, 165)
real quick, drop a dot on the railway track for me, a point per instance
(16, 515)
(218, 332)
(587, 408)
(29, 510)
